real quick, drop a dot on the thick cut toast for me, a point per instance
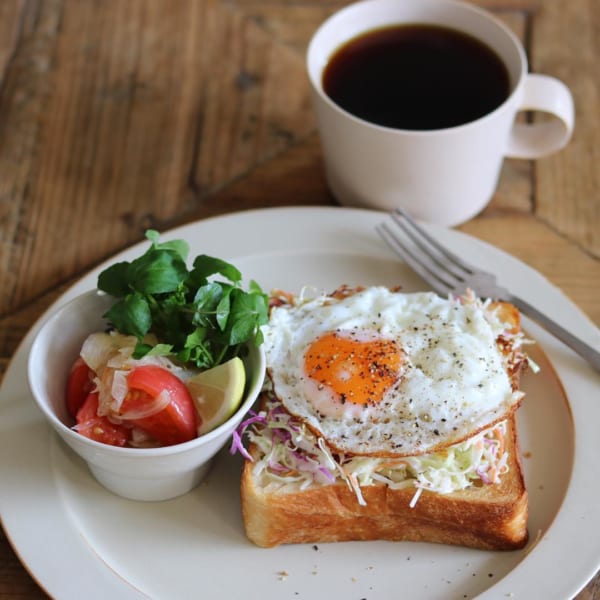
(491, 517)
(484, 516)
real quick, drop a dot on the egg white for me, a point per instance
(453, 382)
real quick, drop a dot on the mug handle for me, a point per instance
(549, 95)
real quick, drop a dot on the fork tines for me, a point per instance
(439, 267)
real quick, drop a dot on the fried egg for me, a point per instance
(384, 373)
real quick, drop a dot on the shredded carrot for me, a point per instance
(500, 439)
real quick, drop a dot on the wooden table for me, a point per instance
(117, 116)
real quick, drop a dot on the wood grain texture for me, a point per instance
(120, 115)
(567, 183)
(11, 19)
(139, 113)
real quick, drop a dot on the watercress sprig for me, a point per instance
(202, 315)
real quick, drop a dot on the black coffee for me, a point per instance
(416, 77)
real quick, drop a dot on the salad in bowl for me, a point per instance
(147, 376)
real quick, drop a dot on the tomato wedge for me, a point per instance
(100, 429)
(174, 423)
(79, 384)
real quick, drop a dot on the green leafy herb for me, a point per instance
(202, 315)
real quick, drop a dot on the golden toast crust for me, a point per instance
(492, 517)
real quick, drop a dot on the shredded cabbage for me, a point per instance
(290, 454)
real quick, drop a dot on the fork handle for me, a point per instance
(580, 347)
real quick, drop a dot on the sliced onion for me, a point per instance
(155, 406)
(119, 388)
(96, 350)
(100, 349)
(121, 357)
(105, 399)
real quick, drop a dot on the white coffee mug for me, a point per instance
(443, 176)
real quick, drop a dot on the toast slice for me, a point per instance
(490, 517)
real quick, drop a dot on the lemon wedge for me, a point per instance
(218, 392)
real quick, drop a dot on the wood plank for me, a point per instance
(573, 270)
(12, 15)
(257, 102)
(293, 177)
(23, 95)
(569, 203)
(291, 23)
(145, 109)
(16, 586)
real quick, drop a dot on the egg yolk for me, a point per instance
(358, 371)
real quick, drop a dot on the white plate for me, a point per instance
(78, 540)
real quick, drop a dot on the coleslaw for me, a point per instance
(288, 454)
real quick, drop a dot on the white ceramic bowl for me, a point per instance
(135, 473)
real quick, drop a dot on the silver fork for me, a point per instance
(447, 274)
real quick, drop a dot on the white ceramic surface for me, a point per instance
(195, 545)
(442, 176)
(148, 474)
